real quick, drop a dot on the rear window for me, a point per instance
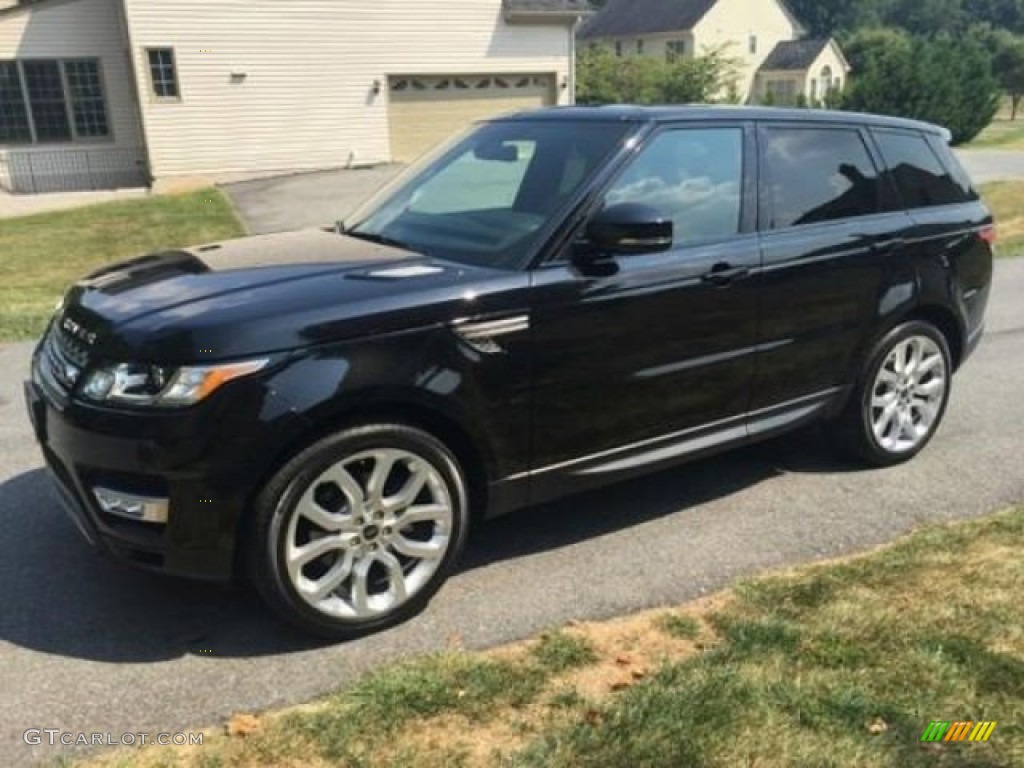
(919, 174)
(817, 175)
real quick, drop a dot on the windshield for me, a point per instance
(486, 199)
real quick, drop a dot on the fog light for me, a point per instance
(146, 509)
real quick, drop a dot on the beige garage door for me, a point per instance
(425, 111)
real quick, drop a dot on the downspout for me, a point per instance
(137, 92)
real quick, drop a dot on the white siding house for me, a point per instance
(54, 133)
(263, 86)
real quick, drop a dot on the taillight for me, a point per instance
(988, 234)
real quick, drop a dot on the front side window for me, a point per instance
(918, 173)
(816, 175)
(163, 73)
(487, 198)
(52, 100)
(694, 177)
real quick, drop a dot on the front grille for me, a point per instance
(64, 358)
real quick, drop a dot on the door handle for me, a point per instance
(725, 273)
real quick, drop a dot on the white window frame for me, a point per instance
(154, 95)
(69, 103)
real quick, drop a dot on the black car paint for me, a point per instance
(605, 381)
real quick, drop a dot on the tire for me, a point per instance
(898, 402)
(390, 506)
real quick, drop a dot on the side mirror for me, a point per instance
(629, 228)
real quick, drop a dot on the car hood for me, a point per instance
(258, 295)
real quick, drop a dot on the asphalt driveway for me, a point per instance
(320, 199)
(307, 199)
(91, 646)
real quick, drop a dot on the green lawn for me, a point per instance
(1006, 199)
(840, 664)
(43, 254)
(1001, 134)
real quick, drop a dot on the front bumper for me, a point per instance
(176, 484)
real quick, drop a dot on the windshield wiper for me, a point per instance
(375, 238)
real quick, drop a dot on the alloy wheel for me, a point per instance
(908, 393)
(369, 533)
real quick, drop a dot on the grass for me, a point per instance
(1006, 200)
(1002, 133)
(839, 664)
(685, 627)
(43, 254)
(558, 652)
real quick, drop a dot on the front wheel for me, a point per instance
(358, 531)
(902, 396)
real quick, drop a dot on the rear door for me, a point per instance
(829, 248)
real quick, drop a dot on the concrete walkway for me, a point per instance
(26, 205)
(987, 165)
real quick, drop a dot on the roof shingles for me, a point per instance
(580, 7)
(623, 18)
(792, 55)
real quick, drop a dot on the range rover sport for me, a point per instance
(553, 301)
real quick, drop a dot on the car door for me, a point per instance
(640, 359)
(829, 249)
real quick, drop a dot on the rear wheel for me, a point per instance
(357, 532)
(902, 396)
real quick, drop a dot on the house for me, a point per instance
(763, 36)
(104, 93)
(795, 68)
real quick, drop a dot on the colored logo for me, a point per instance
(962, 730)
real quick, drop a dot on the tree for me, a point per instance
(1008, 63)
(603, 78)
(940, 80)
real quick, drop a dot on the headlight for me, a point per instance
(153, 385)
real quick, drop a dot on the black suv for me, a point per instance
(553, 301)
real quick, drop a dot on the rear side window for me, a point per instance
(816, 175)
(918, 173)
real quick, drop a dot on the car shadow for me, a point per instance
(63, 598)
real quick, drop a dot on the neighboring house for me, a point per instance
(811, 68)
(102, 93)
(756, 33)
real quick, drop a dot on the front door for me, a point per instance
(652, 356)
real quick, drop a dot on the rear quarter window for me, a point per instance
(925, 176)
